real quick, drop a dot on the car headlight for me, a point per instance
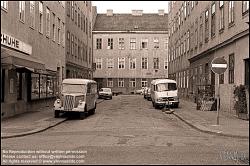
(159, 99)
(176, 98)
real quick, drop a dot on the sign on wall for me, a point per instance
(16, 44)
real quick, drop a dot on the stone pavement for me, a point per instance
(206, 121)
(30, 122)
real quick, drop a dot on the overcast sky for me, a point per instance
(128, 6)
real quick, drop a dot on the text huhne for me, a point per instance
(9, 41)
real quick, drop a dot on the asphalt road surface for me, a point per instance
(128, 130)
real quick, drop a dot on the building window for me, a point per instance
(221, 19)
(54, 27)
(21, 10)
(72, 44)
(68, 8)
(166, 44)
(98, 43)
(32, 14)
(245, 7)
(132, 82)
(156, 63)
(40, 17)
(231, 13)
(4, 5)
(206, 26)
(231, 69)
(144, 63)
(188, 40)
(76, 48)
(213, 20)
(79, 17)
(43, 86)
(47, 22)
(110, 43)
(144, 82)
(156, 42)
(110, 63)
(120, 82)
(201, 30)
(75, 14)
(196, 33)
(165, 64)
(63, 34)
(121, 63)
(110, 82)
(72, 10)
(132, 63)
(144, 44)
(132, 43)
(121, 43)
(98, 62)
(185, 9)
(59, 31)
(68, 43)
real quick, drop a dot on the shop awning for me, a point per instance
(20, 60)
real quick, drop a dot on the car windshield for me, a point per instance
(166, 87)
(105, 90)
(73, 88)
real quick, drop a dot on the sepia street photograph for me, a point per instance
(125, 82)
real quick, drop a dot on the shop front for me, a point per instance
(24, 82)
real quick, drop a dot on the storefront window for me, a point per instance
(43, 86)
(50, 87)
(35, 86)
(43, 79)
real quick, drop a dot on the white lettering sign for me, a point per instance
(14, 43)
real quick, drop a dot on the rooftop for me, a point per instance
(130, 22)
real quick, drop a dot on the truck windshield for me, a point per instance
(73, 88)
(166, 87)
(105, 90)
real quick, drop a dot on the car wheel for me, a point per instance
(82, 115)
(57, 113)
(177, 105)
(153, 104)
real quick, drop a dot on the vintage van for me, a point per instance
(77, 95)
(164, 92)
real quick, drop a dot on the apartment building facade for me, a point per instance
(130, 50)
(201, 31)
(32, 54)
(79, 54)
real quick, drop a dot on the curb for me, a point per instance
(32, 131)
(37, 130)
(201, 129)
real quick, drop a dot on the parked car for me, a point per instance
(105, 93)
(148, 94)
(78, 95)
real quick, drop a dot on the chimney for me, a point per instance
(109, 12)
(137, 12)
(161, 12)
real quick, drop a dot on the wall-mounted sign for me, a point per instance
(14, 43)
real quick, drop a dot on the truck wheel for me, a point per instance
(57, 113)
(82, 115)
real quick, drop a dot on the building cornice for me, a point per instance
(218, 46)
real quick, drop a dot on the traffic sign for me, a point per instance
(219, 65)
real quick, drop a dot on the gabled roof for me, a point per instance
(129, 22)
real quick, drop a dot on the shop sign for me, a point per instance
(16, 44)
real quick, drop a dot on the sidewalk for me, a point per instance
(206, 121)
(31, 122)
